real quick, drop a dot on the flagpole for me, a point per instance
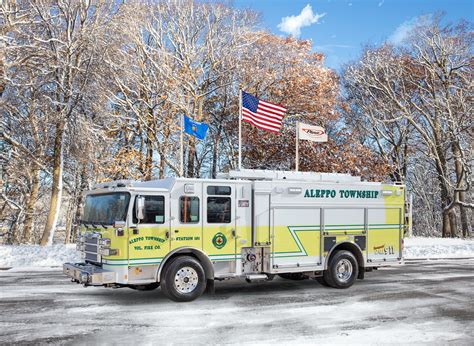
(181, 154)
(240, 129)
(297, 145)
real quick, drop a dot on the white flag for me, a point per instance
(312, 133)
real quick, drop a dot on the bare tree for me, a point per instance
(423, 94)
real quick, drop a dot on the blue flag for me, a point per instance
(195, 128)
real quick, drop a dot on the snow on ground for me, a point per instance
(56, 255)
(428, 303)
(37, 256)
(422, 247)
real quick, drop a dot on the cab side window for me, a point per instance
(154, 210)
(219, 208)
(189, 209)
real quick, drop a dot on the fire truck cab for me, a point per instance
(182, 234)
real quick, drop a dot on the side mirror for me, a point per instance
(140, 208)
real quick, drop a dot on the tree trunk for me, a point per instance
(460, 177)
(30, 207)
(162, 168)
(78, 199)
(148, 159)
(150, 138)
(466, 227)
(214, 159)
(445, 200)
(452, 223)
(57, 188)
(446, 226)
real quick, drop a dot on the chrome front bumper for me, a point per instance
(89, 274)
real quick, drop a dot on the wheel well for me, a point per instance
(197, 254)
(354, 249)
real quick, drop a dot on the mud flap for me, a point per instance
(210, 289)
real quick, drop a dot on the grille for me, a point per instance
(91, 247)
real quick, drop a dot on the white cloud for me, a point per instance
(405, 29)
(292, 24)
(349, 4)
(381, 3)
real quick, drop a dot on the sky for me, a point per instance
(340, 28)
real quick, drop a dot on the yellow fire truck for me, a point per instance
(182, 234)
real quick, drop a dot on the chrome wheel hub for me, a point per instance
(344, 270)
(186, 280)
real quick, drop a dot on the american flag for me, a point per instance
(266, 115)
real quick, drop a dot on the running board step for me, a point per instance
(256, 277)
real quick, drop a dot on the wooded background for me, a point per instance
(93, 90)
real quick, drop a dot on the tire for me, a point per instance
(183, 279)
(320, 280)
(149, 287)
(293, 276)
(342, 270)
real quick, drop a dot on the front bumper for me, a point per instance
(89, 274)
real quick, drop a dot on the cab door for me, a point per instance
(149, 239)
(219, 226)
(186, 216)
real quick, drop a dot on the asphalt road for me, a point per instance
(421, 302)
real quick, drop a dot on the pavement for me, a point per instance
(423, 302)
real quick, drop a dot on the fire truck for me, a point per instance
(182, 234)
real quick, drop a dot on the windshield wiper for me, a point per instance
(88, 224)
(85, 223)
(103, 225)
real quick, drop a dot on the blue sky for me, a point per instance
(339, 28)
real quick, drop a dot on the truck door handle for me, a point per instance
(136, 231)
(233, 233)
(167, 235)
(176, 231)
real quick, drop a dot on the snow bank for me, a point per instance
(56, 255)
(421, 247)
(37, 256)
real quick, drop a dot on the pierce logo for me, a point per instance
(314, 132)
(219, 240)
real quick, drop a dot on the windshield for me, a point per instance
(106, 208)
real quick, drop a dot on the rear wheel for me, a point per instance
(342, 270)
(293, 276)
(183, 279)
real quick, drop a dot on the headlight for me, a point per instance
(105, 242)
(108, 252)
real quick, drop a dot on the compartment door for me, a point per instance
(384, 234)
(296, 236)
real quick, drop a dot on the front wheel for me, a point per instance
(342, 270)
(183, 279)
